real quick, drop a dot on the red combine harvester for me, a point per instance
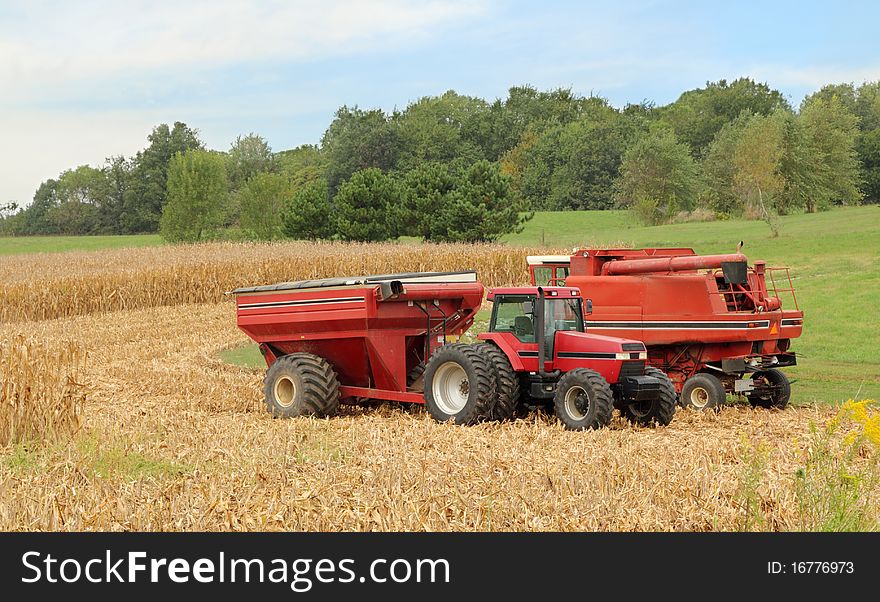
(709, 321)
(386, 338)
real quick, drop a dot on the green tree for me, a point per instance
(261, 202)
(302, 165)
(248, 156)
(481, 207)
(428, 192)
(197, 196)
(757, 161)
(869, 150)
(440, 128)
(573, 166)
(81, 194)
(699, 114)
(719, 169)
(502, 127)
(367, 207)
(307, 213)
(147, 191)
(832, 133)
(33, 219)
(658, 177)
(117, 172)
(358, 140)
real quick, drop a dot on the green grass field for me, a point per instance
(17, 245)
(833, 255)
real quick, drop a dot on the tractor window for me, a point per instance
(516, 314)
(564, 314)
(561, 314)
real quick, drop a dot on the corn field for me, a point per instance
(44, 287)
(155, 432)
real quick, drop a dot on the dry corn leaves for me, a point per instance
(173, 439)
(47, 286)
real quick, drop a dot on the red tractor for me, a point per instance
(387, 338)
(711, 322)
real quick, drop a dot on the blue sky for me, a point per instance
(80, 81)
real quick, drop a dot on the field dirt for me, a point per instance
(174, 439)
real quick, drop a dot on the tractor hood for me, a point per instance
(573, 341)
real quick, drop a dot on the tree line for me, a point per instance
(459, 168)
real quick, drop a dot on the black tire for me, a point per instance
(779, 394)
(415, 378)
(506, 383)
(583, 400)
(703, 391)
(465, 385)
(657, 411)
(301, 384)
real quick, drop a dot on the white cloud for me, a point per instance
(50, 44)
(59, 54)
(41, 144)
(813, 77)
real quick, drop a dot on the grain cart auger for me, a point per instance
(713, 323)
(389, 338)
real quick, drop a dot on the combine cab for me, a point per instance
(713, 323)
(388, 338)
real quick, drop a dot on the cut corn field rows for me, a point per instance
(173, 439)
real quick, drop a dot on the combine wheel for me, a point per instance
(777, 389)
(703, 391)
(459, 385)
(583, 400)
(301, 384)
(506, 383)
(658, 411)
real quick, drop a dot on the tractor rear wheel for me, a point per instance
(777, 389)
(506, 383)
(301, 384)
(703, 391)
(459, 385)
(657, 411)
(583, 400)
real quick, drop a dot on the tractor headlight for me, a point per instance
(643, 355)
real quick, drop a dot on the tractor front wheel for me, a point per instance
(657, 411)
(774, 389)
(703, 391)
(459, 385)
(301, 384)
(583, 400)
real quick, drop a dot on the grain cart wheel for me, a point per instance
(658, 411)
(459, 385)
(777, 391)
(301, 384)
(703, 391)
(506, 383)
(583, 400)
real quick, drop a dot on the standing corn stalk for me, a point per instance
(40, 396)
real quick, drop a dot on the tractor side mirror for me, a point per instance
(588, 306)
(528, 307)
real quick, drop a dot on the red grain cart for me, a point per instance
(711, 322)
(386, 338)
